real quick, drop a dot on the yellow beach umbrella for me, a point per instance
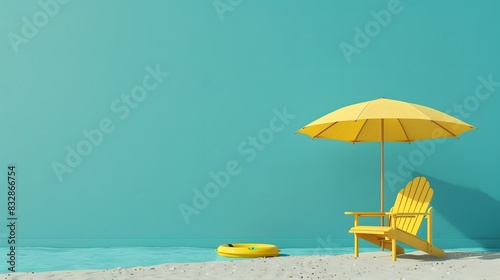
(385, 120)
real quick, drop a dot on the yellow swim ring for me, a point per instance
(247, 250)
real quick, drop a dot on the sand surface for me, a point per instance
(371, 265)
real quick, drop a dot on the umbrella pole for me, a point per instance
(382, 171)
(382, 176)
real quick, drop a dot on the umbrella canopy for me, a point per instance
(384, 120)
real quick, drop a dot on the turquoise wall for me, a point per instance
(171, 123)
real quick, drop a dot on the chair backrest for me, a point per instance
(414, 198)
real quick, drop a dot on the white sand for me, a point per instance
(372, 265)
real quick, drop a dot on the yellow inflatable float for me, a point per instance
(247, 250)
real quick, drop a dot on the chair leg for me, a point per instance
(393, 250)
(356, 245)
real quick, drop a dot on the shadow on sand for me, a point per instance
(452, 256)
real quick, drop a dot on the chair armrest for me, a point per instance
(373, 214)
(403, 215)
(366, 214)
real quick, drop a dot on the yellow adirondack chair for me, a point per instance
(404, 220)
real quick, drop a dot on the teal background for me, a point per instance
(228, 75)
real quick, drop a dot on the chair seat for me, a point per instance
(370, 229)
